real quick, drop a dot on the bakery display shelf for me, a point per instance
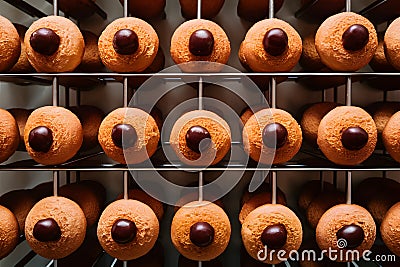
(382, 11)
(304, 161)
(91, 79)
(26, 8)
(291, 75)
(47, 80)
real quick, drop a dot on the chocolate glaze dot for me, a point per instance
(198, 139)
(353, 234)
(40, 139)
(44, 41)
(274, 135)
(201, 43)
(275, 42)
(125, 42)
(354, 138)
(202, 234)
(355, 38)
(47, 230)
(274, 236)
(123, 231)
(125, 132)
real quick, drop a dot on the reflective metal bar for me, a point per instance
(348, 91)
(274, 187)
(348, 5)
(55, 183)
(271, 10)
(198, 9)
(273, 91)
(201, 184)
(348, 187)
(55, 7)
(55, 88)
(125, 93)
(200, 93)
(126, 180)
(125, 8)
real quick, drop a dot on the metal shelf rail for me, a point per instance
(305, 161)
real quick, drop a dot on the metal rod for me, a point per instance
(125, 263)
(324, 95)
(126, 8)
(50, 263)
(126, 180)
(200, 264)
(348, 189)
(55, 183)
(271, 9)
(348, 5)
(125, 93)
(273, 90)
(198, 9)
(200, 93)
(55, 91)
(55, 7)
(274, 186)
(201, 184)
(348, 91)
(55, 263)
(114, 262)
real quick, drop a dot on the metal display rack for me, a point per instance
(304, 161)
